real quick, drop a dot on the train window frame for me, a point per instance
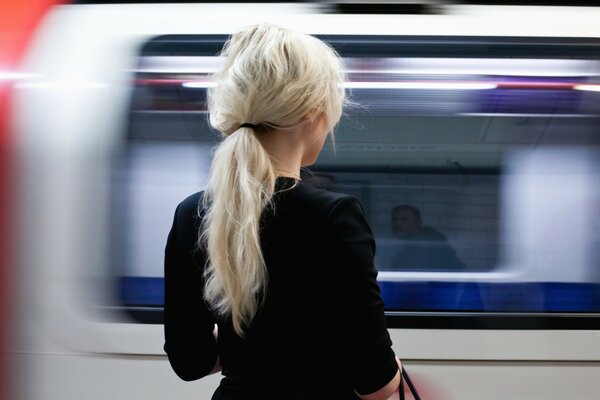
(412, 46)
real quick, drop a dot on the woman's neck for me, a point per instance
(286, 150)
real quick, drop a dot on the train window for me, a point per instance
(476, 160)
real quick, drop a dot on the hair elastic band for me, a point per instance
(248, 125)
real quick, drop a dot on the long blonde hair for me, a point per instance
(272, 78)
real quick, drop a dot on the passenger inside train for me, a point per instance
(421, 246)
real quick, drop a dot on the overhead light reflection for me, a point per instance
(590, 88)
(198, 85)
(67, 84)
(14, 76)
(421, 85)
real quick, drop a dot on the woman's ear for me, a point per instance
(323, 120)
(317, 119)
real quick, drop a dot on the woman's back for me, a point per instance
(321, 327)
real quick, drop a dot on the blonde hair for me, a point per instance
(272, 78)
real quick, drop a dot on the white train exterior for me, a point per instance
(71, 111)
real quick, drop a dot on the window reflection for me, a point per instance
(477, 168)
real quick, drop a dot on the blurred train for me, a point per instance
(472, 142)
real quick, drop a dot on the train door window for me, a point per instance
(475, 160)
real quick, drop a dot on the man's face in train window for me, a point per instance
(403, 223)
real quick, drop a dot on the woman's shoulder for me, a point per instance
(189, 206)
(191, 202)
(326, 202)
(186, 219)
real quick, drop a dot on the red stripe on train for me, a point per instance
(18, 23)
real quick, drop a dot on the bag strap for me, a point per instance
(404, 377)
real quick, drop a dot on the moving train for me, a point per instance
(472, 143)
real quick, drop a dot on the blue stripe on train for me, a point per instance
(491, 297)
(142, 291)
(433, 296)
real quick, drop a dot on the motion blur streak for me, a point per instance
(18, 22)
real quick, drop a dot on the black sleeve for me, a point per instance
(372, 362)
(189, 341)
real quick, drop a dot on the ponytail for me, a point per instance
(241, 184)
(274, 78)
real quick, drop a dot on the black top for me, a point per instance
(322, 325)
